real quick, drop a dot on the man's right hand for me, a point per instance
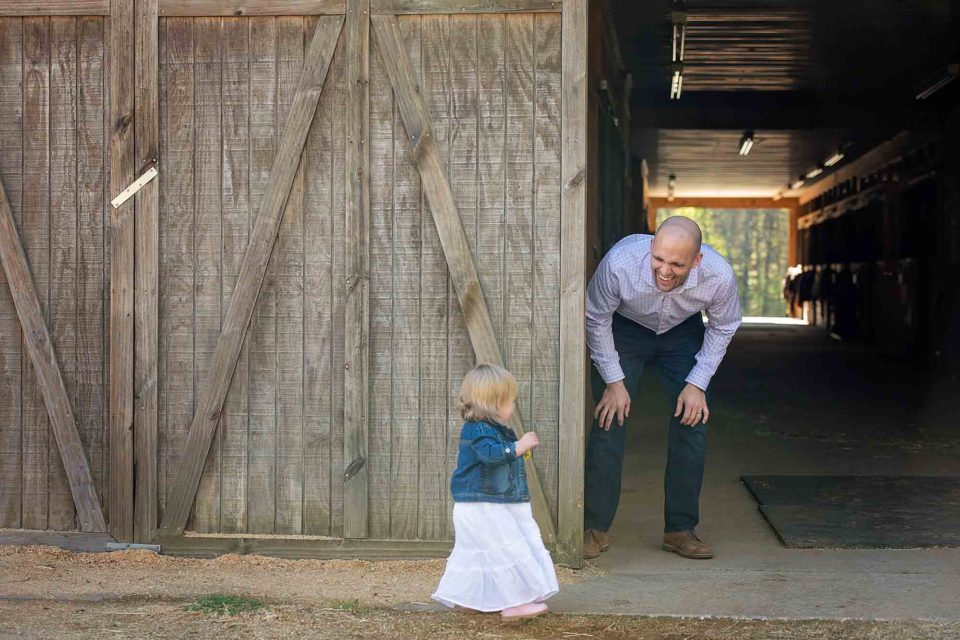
(615, 402)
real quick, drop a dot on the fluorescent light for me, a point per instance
(813, 173)
(834, 159)
(746, 143)
(796, 185)
(676, 84)
(951, 73)
(778, 195)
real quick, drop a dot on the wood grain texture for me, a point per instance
(55, 8)
(545, 374)
(356, 311)
(319, 214)
(381, 299)
(434, 311)
(177, 249)
(146, 276)
(288, 278)
(121, 67)
(311, 547)
(49, 378)
(251, 7)
(265, 129)
(573, 372)
(251, 275)
(70, 540)
(236, 221)
(405, 382)
(425, 153)
(208, 242)
(11, 361)
(35, 230)
(91, 408)
(423, 7)
(63, 245)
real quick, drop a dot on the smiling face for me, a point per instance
(673, 254)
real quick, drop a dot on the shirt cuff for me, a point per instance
(510, 451)
(611, 372)
(699, 378)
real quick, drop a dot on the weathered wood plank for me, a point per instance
(463, 171)
(303, 548)
(146, 278)
(207, 294)
(381, 295)
(121, 269)
(517, 337)
(265, 130)
(545, 380)
(319, 213)
(396, 7)
(356, 311)
(49, 379)
(251, 274)
(425, 153)
(251, 7)
(55, 8)
(177, 250)
(63, 244)
(35, 229)
(236, 223)
(11, 175)
(91, 406)
(573, 115)
(289, 255)
(70, 540)
(433, 477)
(407, 226)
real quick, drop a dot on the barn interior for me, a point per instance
(846, 117)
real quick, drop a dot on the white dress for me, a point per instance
(498, 558)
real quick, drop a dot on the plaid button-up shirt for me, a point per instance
(623, 283)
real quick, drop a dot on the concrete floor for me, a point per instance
(788, 399)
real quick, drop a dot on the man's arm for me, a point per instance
(723, 319)
(603, 299)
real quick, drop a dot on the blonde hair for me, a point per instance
(485, 389)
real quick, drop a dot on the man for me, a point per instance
(643, 306)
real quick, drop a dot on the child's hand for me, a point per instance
(529, 441)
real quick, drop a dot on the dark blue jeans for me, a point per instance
(674, 354)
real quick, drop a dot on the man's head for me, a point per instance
(675, 251)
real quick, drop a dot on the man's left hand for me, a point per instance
(692, 406)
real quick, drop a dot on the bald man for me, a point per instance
(643, 307)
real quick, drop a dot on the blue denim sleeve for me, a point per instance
(489, 449)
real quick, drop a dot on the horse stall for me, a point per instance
(250, 250)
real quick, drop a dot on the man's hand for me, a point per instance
(692, 405)
(615, 402)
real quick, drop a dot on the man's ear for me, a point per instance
(696, 261)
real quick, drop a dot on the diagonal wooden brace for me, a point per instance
(254, 266)
(44, 360)
(456, 249)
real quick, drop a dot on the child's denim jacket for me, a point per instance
(488, 469)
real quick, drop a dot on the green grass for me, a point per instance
(349, 606)
(224, 605)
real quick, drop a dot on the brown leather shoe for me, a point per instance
(594, 543)
(687, 545)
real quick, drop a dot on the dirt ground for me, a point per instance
(51, 593)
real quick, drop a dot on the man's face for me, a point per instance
(672, 257)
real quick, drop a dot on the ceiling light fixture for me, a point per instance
(945, 77)
(671, 185)
(834, 159)
(796, 185)
(746, 142)
(678, 44)
(676, 83)
(813, 173)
